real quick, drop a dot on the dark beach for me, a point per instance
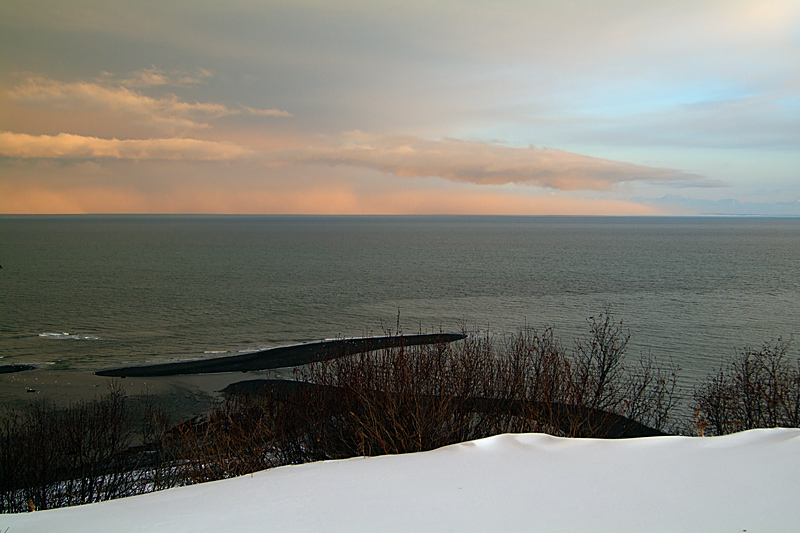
(186, 388)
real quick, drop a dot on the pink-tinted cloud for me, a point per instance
(68, 146)
(167, 113)
(265, 112)
(490, 164)
(403, 156)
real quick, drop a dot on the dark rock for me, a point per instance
(282, 357)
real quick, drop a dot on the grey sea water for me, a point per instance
(82, 293)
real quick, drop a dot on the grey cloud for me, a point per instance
(154, 77)
(68, 146)
(490, 164)
(403, 156)
(265, 112)
(123, 98)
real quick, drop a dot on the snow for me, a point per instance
(743, 482)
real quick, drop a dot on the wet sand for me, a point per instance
(180, 396)
(187, 388)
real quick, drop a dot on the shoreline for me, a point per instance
(181, 396)
(188, 388)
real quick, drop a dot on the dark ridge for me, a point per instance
(569, 419)
(281, 357)
(10, 369)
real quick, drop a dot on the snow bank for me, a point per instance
(744, 482)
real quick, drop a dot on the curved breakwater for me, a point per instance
(281, 357)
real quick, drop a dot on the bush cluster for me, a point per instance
(408, 399)
(86, 453)
(397, 400)
(758, 389)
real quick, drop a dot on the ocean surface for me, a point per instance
(83, 293)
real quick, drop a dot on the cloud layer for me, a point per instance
(618, 101)
(491, 164)
(403, 156)
(124, 98)
(68, 146)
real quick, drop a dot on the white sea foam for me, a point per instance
(73, 336)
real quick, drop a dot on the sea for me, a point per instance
(84, 293)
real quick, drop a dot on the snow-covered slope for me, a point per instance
(744, 482)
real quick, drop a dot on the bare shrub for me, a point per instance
(599, 364)
(412, 399)
(648, 394)
(400, 400)
(758, 389)
(235, 437)
(60, 457)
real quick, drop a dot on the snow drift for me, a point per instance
(742, 482)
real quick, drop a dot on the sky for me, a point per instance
(548, 107)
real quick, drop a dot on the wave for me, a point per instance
(66, 335)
